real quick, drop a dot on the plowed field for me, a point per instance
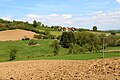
(15, 35)
(101, 69)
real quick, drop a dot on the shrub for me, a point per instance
(25, 38)
(40, 36)
(113, 33)
(13, 53)
(47, 32)
(74, 49)
(32, 42)
(56, 47)
(59, 37)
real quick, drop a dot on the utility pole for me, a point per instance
(103, 49)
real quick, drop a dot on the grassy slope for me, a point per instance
(43, 51)
(107, 33)
(57, 33)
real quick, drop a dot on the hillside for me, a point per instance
(102, 69)
(15, 35)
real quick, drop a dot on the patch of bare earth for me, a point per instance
(103, 69)
(15, 35)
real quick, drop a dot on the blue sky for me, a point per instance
(105, 14)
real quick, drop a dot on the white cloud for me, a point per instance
(118, 1)
(33, 16)
(7, 17)
(67, 16)
(51, 19)
(53, 15)
(103, 20)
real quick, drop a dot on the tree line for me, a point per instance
(87, 42)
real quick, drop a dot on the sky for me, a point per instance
(105, 14)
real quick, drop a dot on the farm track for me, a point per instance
(101, 69)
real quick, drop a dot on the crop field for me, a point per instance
(100, 69)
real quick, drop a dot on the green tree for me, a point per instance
(35, 24)
(39, 24)
(88, 41)
(56, 47)
(66, 39)
(74, 48)
(94, 28)
(43, 25)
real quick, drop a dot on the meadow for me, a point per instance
(43, 51)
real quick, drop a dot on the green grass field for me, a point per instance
(44, 51)
(57, 33)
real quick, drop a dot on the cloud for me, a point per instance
(51, 19)
(67, 16)
(33, 16)
(101, 19)
(7, 17)
(118, 1)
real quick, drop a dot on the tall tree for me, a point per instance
(94, 28)
(35, 24)
(67, 38)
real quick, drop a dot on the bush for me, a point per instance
(46, 37)
(32, 42)
(56, 47)
(40, 36)
(118, 44)
(74, 49)
(25, 38)
(59, 37)
(13, 53)
(47, 32)
(113, 33)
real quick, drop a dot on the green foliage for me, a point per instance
(13, 53)
(66, 39)
(113, 32)
(35, 24)
(32, 42)
(94, 28)
(83, 29)
(10, 25)
(89, 42)
(41, 51)
(56, 47)
(38, 36)
(47, 32)
(73, 49)
(113, 40)
(118, 43)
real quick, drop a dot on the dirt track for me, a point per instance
(15, 35)
(106, 69)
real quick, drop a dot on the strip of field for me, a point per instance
(103, 69)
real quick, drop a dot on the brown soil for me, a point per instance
(15, 35)
(103, 69)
